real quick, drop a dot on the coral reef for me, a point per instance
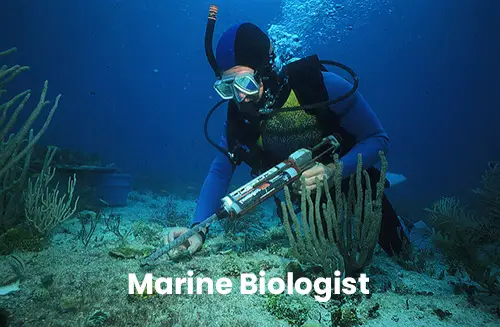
(469, 239)
(339, 232)
(44, 208)
(16, 148)
(89, 286)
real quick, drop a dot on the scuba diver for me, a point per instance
(272, 113)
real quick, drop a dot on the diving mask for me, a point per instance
(238, 87)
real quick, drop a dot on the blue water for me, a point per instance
(136, 85)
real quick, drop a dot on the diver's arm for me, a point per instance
(215, 185)
(358, 119)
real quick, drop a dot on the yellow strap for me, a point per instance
(291, 101)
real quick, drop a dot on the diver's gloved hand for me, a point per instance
(192, 244)
(319, 173)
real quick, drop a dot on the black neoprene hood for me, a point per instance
(244, 44)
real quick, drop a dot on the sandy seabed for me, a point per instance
(68, 284)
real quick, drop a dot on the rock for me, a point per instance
(8, 273)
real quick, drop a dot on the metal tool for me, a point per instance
(259, 189)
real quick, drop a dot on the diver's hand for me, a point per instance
(320, 172)
(192, 244)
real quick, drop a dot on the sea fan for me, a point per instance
(468, 239)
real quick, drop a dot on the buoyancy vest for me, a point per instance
(262, 142)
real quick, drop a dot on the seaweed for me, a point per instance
(289, 308)
(91, 218)
(373, 312)
(442, 314)
(345, 317)
(338, 230)
(16, 148)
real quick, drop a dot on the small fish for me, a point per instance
(156, 70)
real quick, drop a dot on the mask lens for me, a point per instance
(231, 86)
(224, 89)
(246, 84)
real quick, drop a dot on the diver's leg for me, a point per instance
(279, 211)
(391, 236)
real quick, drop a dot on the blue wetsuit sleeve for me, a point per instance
(215, 185)
(359, 120)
